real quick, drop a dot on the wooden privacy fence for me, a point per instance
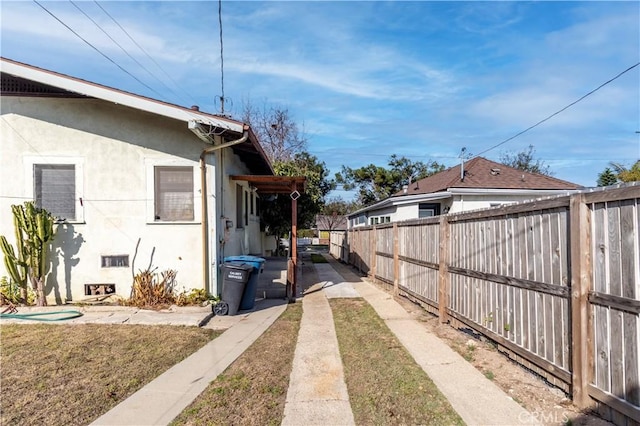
(555, 283)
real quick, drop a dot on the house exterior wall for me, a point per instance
(244, 236)
(115, 150)
(454, 204)
(468, 202)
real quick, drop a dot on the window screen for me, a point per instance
(55, 189)
(173, 193)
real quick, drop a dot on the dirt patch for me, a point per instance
(546, 403)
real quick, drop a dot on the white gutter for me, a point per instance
(402, 200)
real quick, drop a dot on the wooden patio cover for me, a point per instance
(291, 185)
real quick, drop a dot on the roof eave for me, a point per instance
(116, 96)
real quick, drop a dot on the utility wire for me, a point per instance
(558, 112)
(98, 50)
(123, 49)
(189, 96)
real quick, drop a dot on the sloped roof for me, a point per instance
(50, 83)
(482, 173)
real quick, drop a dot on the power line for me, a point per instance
(98, 50)
(144, 51)
(559, 111)
(123, 49)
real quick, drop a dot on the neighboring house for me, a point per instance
(129, 178)
(478, 183)
(327, 223)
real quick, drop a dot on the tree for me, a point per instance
(338, 206)
(607, 177)
(334, 211)
(625, 174)
(278, 134)
(525, 160)
(276, 211)
(375, 183)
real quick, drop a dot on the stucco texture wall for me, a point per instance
(116, 149)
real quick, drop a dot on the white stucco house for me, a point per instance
(122, 171)
(476, 184)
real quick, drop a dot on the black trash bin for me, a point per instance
(234, 280)
(249, 297)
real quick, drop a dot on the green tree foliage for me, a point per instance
(525, 160)
(375, 183)
(625, 174)
(276, 211)
(607, 177)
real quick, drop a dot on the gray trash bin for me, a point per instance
(234, 280)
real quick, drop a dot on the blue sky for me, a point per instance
(369, 79)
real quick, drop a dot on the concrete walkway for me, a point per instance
(474, 397)
(162, 400)
(317, 392)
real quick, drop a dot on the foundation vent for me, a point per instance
(99, 289)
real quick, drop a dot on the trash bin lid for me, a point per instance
(258, 262)
(245, 258)
(236, 271)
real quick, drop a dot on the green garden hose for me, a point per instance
(37, 316)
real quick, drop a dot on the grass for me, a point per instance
(385, 384)
(59, 374)
(318, 258)
(253, 389)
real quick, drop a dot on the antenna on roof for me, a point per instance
(464, 149)
(221, 97)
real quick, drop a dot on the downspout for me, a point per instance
(203, 186)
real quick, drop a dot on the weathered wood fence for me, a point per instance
(555, 283)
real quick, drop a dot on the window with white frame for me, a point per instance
(380, 220)
(54, 189)
(173, 193)
(428, 209)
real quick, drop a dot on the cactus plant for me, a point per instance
(34, 230)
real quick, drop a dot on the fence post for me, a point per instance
(443, 270)
(581, 276)
(373, 240)
(356, 254)
(396, 260)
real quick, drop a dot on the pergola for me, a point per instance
(294, 186)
